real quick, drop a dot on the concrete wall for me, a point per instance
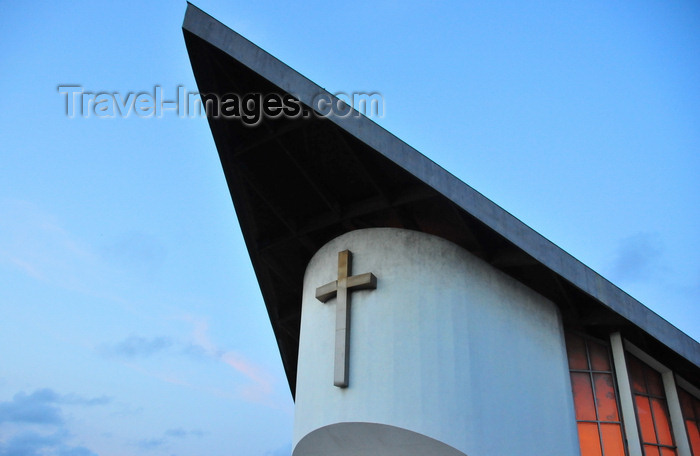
(446, 348)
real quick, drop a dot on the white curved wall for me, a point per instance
(446, 346)
(353, 439)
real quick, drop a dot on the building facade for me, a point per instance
(413, 315)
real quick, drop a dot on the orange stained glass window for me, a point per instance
(690, 406)
(651, 408)
(595, 397)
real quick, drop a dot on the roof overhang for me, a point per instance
(298, 183)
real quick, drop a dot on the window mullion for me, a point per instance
(680, 435)
(651, 409)
(591, 378)
(629, 417)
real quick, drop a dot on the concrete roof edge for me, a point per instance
(498, 219)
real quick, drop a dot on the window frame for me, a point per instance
(619, 346)
(693, 391)
(591, 372)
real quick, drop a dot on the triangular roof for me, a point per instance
(298, 183)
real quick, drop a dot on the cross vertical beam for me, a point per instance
(339, 288)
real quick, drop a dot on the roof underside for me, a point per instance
(298, 183)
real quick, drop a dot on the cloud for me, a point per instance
(135, 346)
(36, 408)
(74, 399)
(637, 257)
(141, 253)
(41, 410)
(181, 433)
(42, 407)
(166, 438)
(260, 385)
(201, 339)
(75, 451)
(150, 444)
(35, 444)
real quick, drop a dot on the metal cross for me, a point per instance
(340, 288)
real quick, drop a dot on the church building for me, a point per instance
(413, 315)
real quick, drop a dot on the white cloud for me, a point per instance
(36, 444)
(37, 424)
(259, 385)
(637, 257)
(42, 406)
(136, 346)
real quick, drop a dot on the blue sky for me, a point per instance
(132, 323)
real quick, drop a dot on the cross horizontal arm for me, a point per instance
(366, 281)
(327, 291)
